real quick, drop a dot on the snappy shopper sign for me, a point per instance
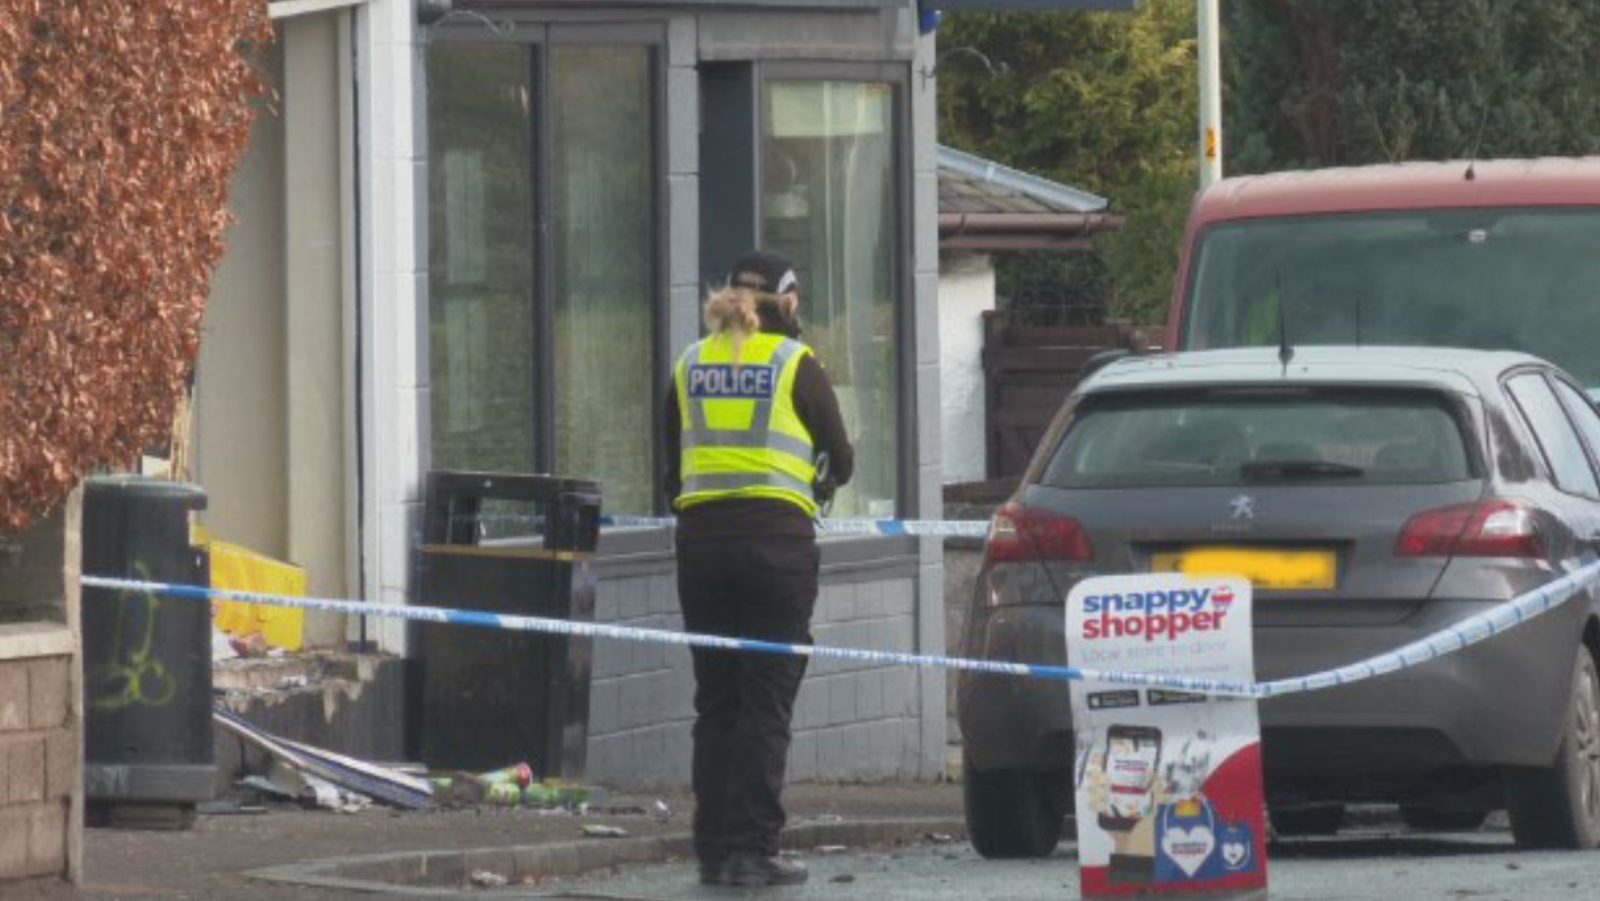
(1168, 783)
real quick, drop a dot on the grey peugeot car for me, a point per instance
(1409, 487)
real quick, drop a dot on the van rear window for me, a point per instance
(1523, 279)
(1243, 437)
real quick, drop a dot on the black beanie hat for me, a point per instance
(765, 270)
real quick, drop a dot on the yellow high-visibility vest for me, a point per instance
(741, 434)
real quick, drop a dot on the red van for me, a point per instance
(1494, 254)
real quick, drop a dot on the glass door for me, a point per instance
(828, 178)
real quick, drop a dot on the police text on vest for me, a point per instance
(723, 380)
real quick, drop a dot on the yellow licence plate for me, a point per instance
(1304, 570)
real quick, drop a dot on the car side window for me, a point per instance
(1582, 411)
(1550, 425)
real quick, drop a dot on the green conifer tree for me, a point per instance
(1315, 83)
(1102, 101)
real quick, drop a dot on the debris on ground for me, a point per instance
(285, 783)
(321, 793)
(554, 793)
(504, 794)
(487, 879)
(512, 786)
(221, 647)
(595, 830)
(356, 777)
(660, 812)
(253, 645)
(267, 788)
(227, 807)
(831, 849)
(518, 774)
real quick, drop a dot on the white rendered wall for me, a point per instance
(930, 496)
(314, 300)
(966, 290)
(238, 406)
(393, 332)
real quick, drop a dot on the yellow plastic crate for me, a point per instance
(240, 569)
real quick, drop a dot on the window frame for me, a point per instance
(898, 76)
(1558, 381)
(1542, 376)
(540, 36)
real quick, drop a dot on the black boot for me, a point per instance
(751, 869)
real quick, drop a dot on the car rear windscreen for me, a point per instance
(1244, 437)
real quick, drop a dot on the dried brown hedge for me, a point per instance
(120, 124)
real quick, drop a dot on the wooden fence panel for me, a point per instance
(1028, 372)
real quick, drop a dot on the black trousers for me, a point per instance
(752, 587)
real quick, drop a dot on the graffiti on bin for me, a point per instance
(134, 676)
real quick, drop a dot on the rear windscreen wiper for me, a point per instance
(1266, 469)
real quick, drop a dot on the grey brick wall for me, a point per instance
(853, 721)
(858, 720)
(641, 696)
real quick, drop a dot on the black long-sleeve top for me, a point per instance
(818, 409)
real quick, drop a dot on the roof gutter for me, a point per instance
(1051, 223)
(1022, 231)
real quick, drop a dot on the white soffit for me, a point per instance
(283, 9)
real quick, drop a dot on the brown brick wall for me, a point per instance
(23, 767)
(13, 696)
(39, 767)
(49, 687)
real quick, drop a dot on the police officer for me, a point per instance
(749, 412)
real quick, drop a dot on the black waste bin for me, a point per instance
(148, 755)
(482, 699)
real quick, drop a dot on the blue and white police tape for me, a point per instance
(1463, 634)
(939, 528)
(630, 633)
(934, 528)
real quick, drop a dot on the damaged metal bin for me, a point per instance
(482, 698)
(148, 753)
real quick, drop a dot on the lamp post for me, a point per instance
(1210, 93)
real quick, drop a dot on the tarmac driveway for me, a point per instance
(1371, 866)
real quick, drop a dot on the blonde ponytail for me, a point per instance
(732, 311)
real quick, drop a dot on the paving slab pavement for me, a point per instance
(888, 843)
(214, 859)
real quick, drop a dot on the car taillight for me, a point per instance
(1493, 527)
(1019, 533)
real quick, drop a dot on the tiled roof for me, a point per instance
(971, 184)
